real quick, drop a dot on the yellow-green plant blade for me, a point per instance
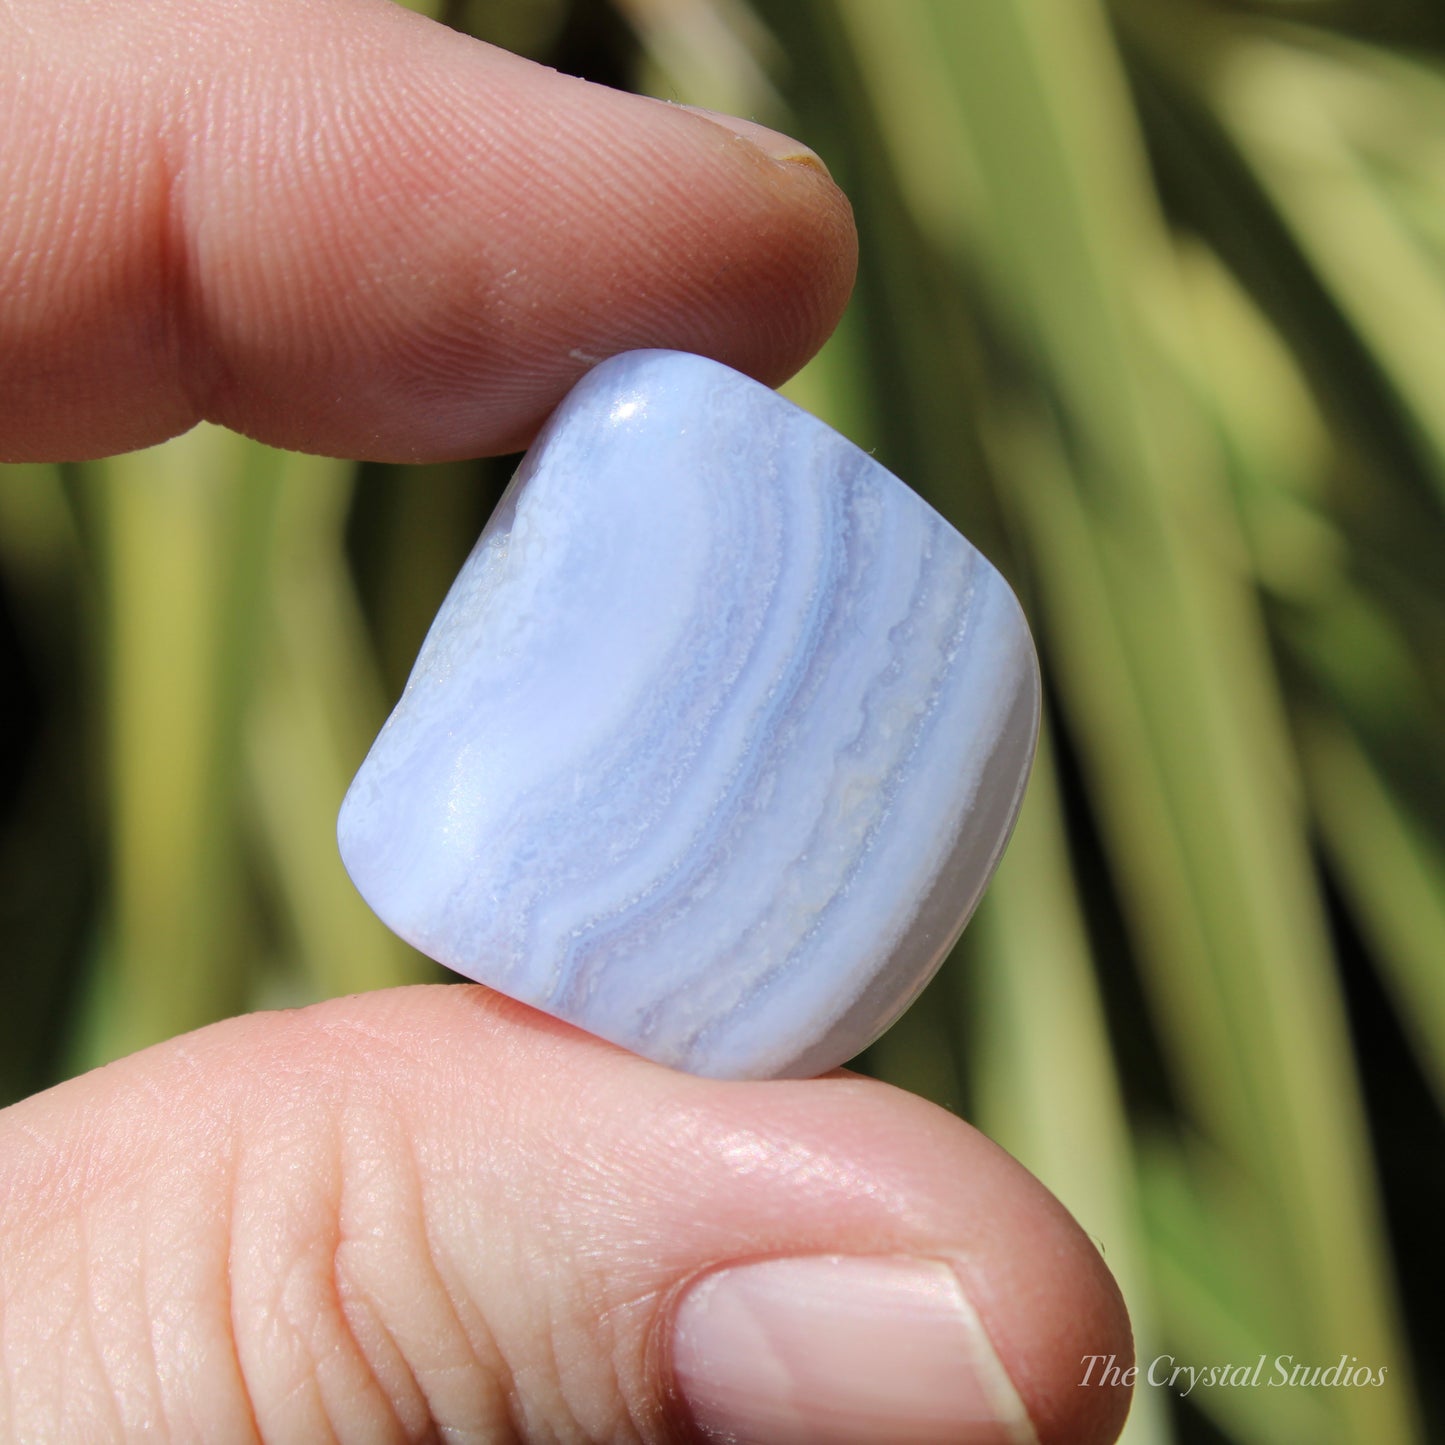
(1046, 1086)
(1289, 108)
(182, 530)
(1394, 874)
(1209, 1259)
(316, 709)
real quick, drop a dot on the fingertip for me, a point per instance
(825, 1248)
(1006, 1359)
(687, 235)
(1051, 1306)
(439, 1203)
(342, 229)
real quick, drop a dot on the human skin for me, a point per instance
(433, 1213)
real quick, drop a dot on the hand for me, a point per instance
(431, 1213)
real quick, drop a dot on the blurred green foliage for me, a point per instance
(1152, 304)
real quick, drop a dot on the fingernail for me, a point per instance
(843, 1350)
(772, 143)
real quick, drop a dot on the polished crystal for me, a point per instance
(715, 741)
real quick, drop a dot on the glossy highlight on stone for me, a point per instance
(715, 741)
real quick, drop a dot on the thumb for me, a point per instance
(339, 227)
(431, 1213)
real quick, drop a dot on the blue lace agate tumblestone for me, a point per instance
(716, 739)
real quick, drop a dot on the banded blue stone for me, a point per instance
(715, 741)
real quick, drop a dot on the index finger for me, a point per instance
(339, 227)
